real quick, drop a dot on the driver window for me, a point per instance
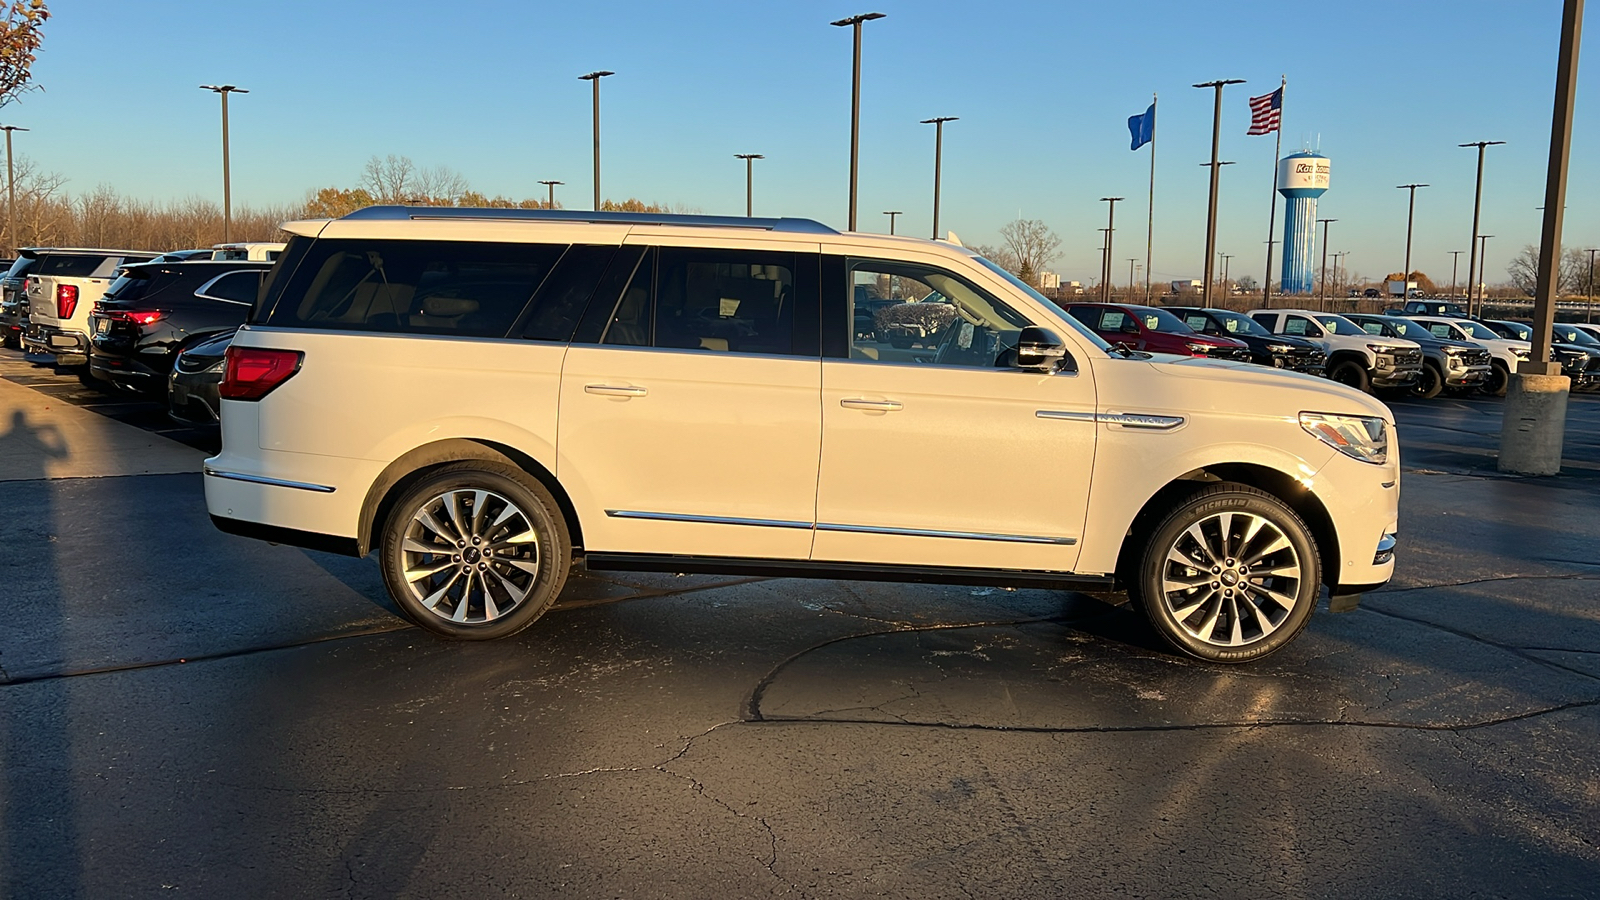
(1299, 326)
(909, 313)
(1372, 328)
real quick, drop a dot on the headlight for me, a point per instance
(1199, 349)
(1381, 348)
(1520, 352)
(1358, 437)
(1280, 349)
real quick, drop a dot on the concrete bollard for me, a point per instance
(1534, 424)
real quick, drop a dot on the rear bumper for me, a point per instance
(44, 338)
(127, 373)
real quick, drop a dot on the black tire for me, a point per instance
(1430, 383)
(519, 507)
(1499, 379)
(1195, 606)
(1350, 373)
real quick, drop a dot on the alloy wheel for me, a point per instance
(1231, 579)
(470, 556)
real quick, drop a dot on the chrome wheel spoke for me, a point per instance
(449, 575)
(1199, 538)
(1225, 534)
(1281, 542)
(1288, 570)
(1237, 636)
(1174, 584)
(1247, 589)
(1184, 612)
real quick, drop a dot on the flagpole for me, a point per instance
(1150, 219)
(1272, 218)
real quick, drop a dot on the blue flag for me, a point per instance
(1143, 128)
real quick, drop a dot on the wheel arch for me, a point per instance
(416, 463)
(1279, 484)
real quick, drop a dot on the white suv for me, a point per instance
(480, 395)
(1355, 358)
(62, 289)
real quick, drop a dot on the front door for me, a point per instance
(941, 454)
(693, 426)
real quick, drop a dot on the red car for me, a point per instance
(1154, 331)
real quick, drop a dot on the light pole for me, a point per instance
(1336, 257)
(891, 213)
(10, 186)
(938, 158)
(1211, 210)
(227, 187)
(1483, 271)
(1227, 262)
(1477, 205)
(1105, 263)
(855, 105)
(1411, 212)
(1588, 312)
(1455, 260)
(551, 203)
(1322, 287)
(749, 179)
(1131, 261)
(594, 78)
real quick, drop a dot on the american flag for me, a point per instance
(1266, 112)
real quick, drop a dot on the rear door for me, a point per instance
(689, 419)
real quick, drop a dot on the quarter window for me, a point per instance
(909, 313)
(721, 301)
(460, 288)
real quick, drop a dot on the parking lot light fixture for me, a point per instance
(551, 202)
(1105, 262)
(938, 159)
(891, 213)
(1322, 288)
(1411, 212)
(1588, 312)
(855, 104)
(1455, 260)
(749, 180)
(1477, 206)
(10, 188)
(1483, 271)
(1211, 211)
(227, 187)
(594, 79)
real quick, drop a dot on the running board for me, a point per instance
(802, 568)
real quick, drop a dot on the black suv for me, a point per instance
(1276, 350)
(14, 300)
(155, 309)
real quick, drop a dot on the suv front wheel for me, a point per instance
(1229, 575)
(475, 551)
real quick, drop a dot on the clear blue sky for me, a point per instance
(1043, 91)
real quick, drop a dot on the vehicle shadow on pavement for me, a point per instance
(40, 818)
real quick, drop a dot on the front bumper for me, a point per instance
(1470, 377)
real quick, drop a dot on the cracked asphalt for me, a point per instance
(184, 713)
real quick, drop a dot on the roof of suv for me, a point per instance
(35, 252)
(311, 227)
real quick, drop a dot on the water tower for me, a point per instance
(1302, 178)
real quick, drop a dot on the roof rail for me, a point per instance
(392, 213)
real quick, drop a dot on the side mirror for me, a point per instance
(1040, 350)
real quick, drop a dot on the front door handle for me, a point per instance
(874, 405)
(615, 390)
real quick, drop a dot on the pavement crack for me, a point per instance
(1489, 580)
(1518, 652)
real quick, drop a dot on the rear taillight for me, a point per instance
(136, 316)
(251, 373)
(66, 300)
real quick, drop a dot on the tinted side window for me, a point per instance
(1300, 326)
(1197, 322)
(1371, 327)
(566, 293)
(1440, 330)
(239, 287)
(460, 288)
(1267, 321)
(737, 301)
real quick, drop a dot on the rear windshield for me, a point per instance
(460, 288)
(128, 287)
(21, 267)
(77, 266)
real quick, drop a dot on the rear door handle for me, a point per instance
(874, 405)
(615, 390)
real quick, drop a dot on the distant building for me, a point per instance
(1186, 286)
(1049, 281)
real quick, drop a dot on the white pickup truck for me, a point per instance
(62, 289)
(1355, 358)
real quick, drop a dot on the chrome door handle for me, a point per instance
(615, 390)
(874, 405)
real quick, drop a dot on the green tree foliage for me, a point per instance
(21, 33)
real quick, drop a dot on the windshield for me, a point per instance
(1477, 331)
(1239, 323)
(1339, 325)
(128, 286)
(1569, 335)
(1162, 321)
(1408, 329)
(1049, 304)
(1522, 332)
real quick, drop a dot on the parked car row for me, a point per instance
(129, 316)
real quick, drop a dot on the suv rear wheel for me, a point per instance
(1229, 575)
(475, 551)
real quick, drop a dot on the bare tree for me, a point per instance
(1000, 256)
(1032, 244)
(1573, 270)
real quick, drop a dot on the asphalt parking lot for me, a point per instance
(184, 713)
